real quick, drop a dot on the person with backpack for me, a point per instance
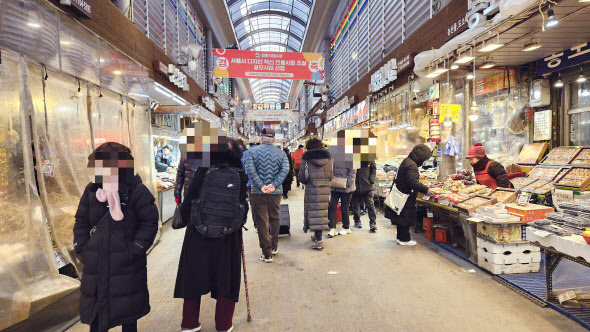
(316, 174)
(214, 209)
(116, 223)
(267, 167)
(365, 178)
(296, 156)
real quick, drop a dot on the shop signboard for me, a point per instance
(457, 27)
(453, 109)
(567, 58)
(362, 111)
(542, 125)
(348, 118)
(268, 115)
(271, 106)
(405, 63)
(82, 7)
(269, 65)
(208, 103)
(338, 108)
(494, 83)
(384, 75)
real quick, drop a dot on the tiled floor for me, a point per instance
(360, 282)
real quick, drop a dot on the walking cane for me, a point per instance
(246, 282)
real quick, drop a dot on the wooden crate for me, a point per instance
(510, 199)
(557, 156)
(582, 186)
(532, 153)
(465, 209)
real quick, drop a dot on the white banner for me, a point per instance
(269, 115)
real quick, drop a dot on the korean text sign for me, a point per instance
(567, 58)
(270, 65)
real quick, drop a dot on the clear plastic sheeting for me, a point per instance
(80, 54)
(28, 275)
(109, 117)
(62, 136)
(141, 147)
(30, 28)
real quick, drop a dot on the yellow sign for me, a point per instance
(453, 109)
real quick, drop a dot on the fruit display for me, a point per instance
(576, 177)
(561, 155)
(583, 158)
(545, 173)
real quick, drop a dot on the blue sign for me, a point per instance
(564, 59)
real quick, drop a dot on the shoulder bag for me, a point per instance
(396, 200)
(338, 182)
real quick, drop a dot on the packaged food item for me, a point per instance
(561, 155)
(576, 177)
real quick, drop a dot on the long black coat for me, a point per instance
(186, 170)
(317, 188)
(114, 280)
(365, 178)
(289, 179)
(407, 181)
(210, 265)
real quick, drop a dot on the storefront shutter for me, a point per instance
(156, 22)
(416, 13)
(171, 29)
(363, 38)
(376, 32)
(392, 31)
(140, 15)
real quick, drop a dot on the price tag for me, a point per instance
(560, 196)
(426, 198)
(444, 202)
(523, 199)
(566, 296)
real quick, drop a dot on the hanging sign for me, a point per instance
(543, 125)
(453, 109)
(405, 63)
(383, 76)
(338, 108)
(81, 7)
(273, 65)
(457, 27)
(564, 59)
(271, 106)
(267, 115)
(495, 83)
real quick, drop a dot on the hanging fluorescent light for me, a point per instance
(34, 25)
(117, 72)
(410, 126)
(393, 127)
(465, 58)
(417, 87)
(470, 76)
(448, 120)
(162, 91)
(454, 66)
(581, 78)
(442, 70)
(559, 83)
(474, 112)
(551, 20)
(176, 99)
(531, 46)
(488, 64)
(432, 74)
(492, 45)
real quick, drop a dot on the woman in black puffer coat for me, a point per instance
(316, 173)
(186, 170)
(407, 181)
(211, 265)
(289, 179)
(111, 239)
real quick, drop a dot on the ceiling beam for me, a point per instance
(289, 47)
(253, 32)
(271, 13)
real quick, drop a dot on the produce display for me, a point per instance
(545, 173)
(561, 155)
(474, 202)
(583, 159)
(576, 177)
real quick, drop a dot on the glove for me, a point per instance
(177, 200)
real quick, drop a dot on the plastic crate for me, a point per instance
(427, 223)
(429, 235)
(441, 235)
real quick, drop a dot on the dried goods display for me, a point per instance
(545, 173)
(561, 155)
(561, 174)
(544, 189)
(473, 203)
(576, 177)
(583, 158)
(520, 183)
(531, 153)
(504, 195)
(532, 186)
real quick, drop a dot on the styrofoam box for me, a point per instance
(572, 248)
(507, 268)
(513, 253)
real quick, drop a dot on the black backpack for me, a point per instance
(217, 211)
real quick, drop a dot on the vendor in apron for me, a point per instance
(487, 172)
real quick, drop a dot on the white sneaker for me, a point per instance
(196, 329)
(345, 231)
(332, 233)
(230, 329)
(275, 251)
(408, 243)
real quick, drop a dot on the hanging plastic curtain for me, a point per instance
(62, 140)
(108, 117)
(30, 280)
(141, 144)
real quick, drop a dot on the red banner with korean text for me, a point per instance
(495, 83)
(269, 65)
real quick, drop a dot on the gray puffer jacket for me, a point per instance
(350, 174)
(316, 174)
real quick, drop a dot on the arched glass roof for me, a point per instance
(270, 25)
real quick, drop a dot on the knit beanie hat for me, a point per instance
(477, 151)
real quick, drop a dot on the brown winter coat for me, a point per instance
(316, 174)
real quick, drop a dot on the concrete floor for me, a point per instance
(360, 282)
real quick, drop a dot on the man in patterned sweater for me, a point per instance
(267, 166)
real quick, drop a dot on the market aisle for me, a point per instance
(378, 286)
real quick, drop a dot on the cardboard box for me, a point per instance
(575, 248)
(507, 268)
(508, 253)
(508, 232)
(529, 212)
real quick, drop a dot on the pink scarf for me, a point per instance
(113, 197)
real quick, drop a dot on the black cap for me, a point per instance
(268, 132)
